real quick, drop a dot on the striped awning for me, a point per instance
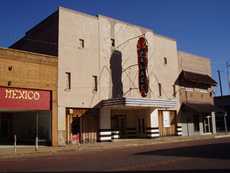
(139, 102)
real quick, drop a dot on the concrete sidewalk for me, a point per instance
(29, 151)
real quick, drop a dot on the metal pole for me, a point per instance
(36, 138)
(225, 123)
(228, 75)
(15, 143)
(221, 92)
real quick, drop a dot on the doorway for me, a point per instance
(141, 127)
(119, 122)
(207, 124)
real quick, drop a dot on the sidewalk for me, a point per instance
(29, 151)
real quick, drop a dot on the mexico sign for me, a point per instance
(24, 99)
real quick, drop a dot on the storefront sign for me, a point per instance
(24, 99)
(142, 52)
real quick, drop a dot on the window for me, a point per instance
(174, 90)
(81, 43)
(159, 86)
(165, 61)
(113, 42)
(166, 119)
(95, 83)
(68, 80)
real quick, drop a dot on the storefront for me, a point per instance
(25, 114)
(81, 125)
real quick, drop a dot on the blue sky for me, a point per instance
(200, 26)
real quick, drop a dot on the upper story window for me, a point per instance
(112, 42)
(81, 43)
(160, 88)
(165, 61)
(68, 80)
(95, 83)
(174, 90)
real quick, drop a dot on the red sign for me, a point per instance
(24, 99)
(142, 53)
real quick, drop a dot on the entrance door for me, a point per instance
(122, 125)
(141, 126)
(75, 130)
(207, 124)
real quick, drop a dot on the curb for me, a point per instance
(53, 151)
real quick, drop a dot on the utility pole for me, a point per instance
(221, 92)
(228, 75)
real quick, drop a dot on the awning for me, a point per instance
(201, 108)
(139, 102)
(196, 78)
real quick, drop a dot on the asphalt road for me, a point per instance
(211, 155)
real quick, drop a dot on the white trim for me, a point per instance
(179, 129)
(179, 133)
(105, 138)
(189, 89)
(115, 132)
(115, 136)
(153, 135)
(143, 102)
(153, 130)
(105, 133)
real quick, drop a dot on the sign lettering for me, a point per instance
(142, 53)
(24, 99)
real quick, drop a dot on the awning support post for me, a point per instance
(15, 143)
(36, 138)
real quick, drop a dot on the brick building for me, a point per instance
(28, 97)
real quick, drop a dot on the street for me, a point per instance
(212, 155)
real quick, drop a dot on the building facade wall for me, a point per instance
(115, 67)
(19, 69)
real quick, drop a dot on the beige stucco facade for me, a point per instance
(97, 58)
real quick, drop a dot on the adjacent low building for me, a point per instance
(28, 98)
(197, 112)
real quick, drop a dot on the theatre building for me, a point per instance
(115, 80)
(27, 98)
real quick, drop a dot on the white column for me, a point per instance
(213, 123)
(105, 134)
(153, 129)
(61, 126)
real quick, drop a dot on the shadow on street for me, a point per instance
(211, 151)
